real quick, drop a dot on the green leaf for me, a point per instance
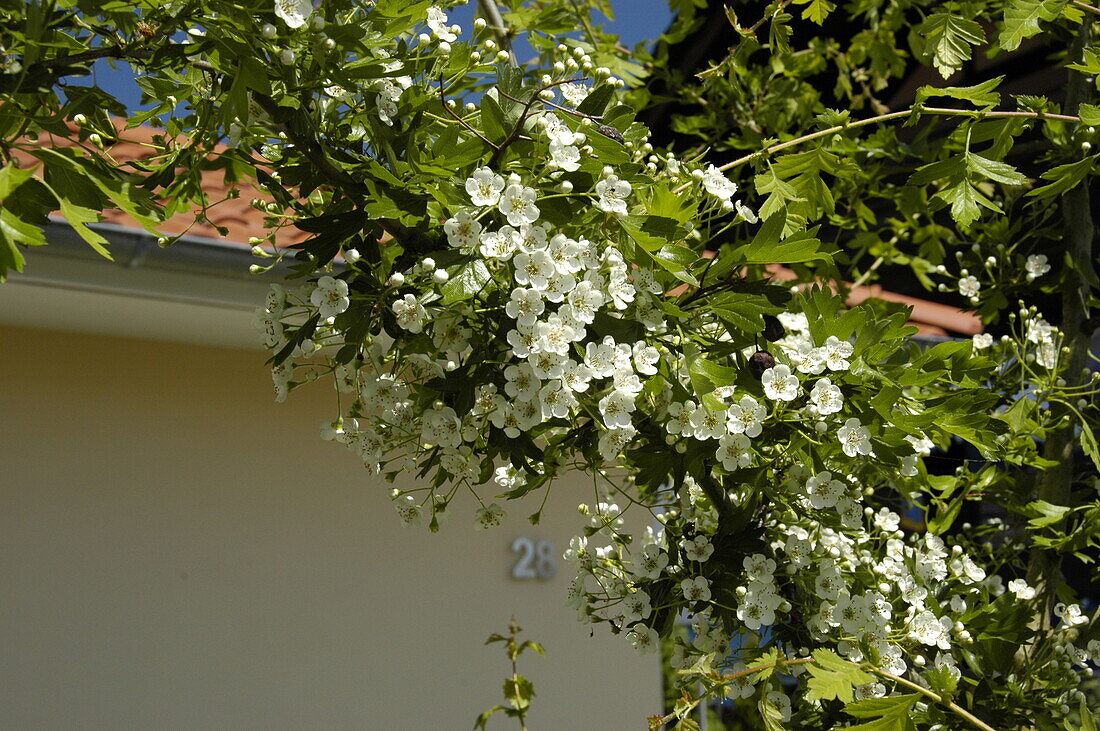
(597, 100)
(833, 677)
(483, 718)
(1088, 720)
(875, 707)
(675, 259)
(1045, 514)
(78, 217)
(1021, 20)
(492, 119)
(980, 95)
(743, 311)
(947, 40)
(652, 233)
(666, 204)
(11, 178)
(816, 10)
(519, 691)
(1090, 64)
(19, 231)
(1089, 114)
(470, 279)
(767, 248)
(994, 170)
(770, 714)
(119, 190)
(964, 203)
(13, 232)
(1064, 178)
(1088, 443)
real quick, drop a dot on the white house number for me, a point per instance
(535, 560)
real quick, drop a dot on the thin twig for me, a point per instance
(516, 132)
(941, 111)
(1086, 6)
(559, 107)
(460, 120)
(500, 30)
(867, 274)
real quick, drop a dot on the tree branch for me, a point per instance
(878, 119)
(1054, 485)
(500, 30)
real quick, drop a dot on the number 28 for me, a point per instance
(536, 560)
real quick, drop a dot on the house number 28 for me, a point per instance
(536, 560)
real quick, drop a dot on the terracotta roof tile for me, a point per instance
(243, 222)
(236, 214)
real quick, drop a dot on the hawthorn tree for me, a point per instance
(507, 279)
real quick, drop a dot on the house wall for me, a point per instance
(178, 551)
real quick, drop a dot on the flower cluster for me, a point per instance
(556, 316)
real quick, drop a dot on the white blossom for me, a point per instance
(826, 397)
(854, 438)
(437, 22)
(488, 516)
(330, 297)
(1036, 266)
(484, 187)
(779, 383)
(463, 230)
(746, 417)
(517, 203)
(410, 314)
(717, 184)
(295, 13)
(969, 286)
(696, 589)
(837, 352)
(612, 193)
(644, 639)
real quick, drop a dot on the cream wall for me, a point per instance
(177, 551)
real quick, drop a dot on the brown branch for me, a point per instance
(460, 120)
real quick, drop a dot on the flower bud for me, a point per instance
(440, 276)
(352, 255)
(396, 280)
(286, 57)
(267, 30)
(424, 39)
(444, 48)
(479, 23)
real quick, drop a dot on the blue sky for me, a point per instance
(635, 21)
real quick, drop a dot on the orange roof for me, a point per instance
(930, 318)
(234, 214)
(243, 222)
